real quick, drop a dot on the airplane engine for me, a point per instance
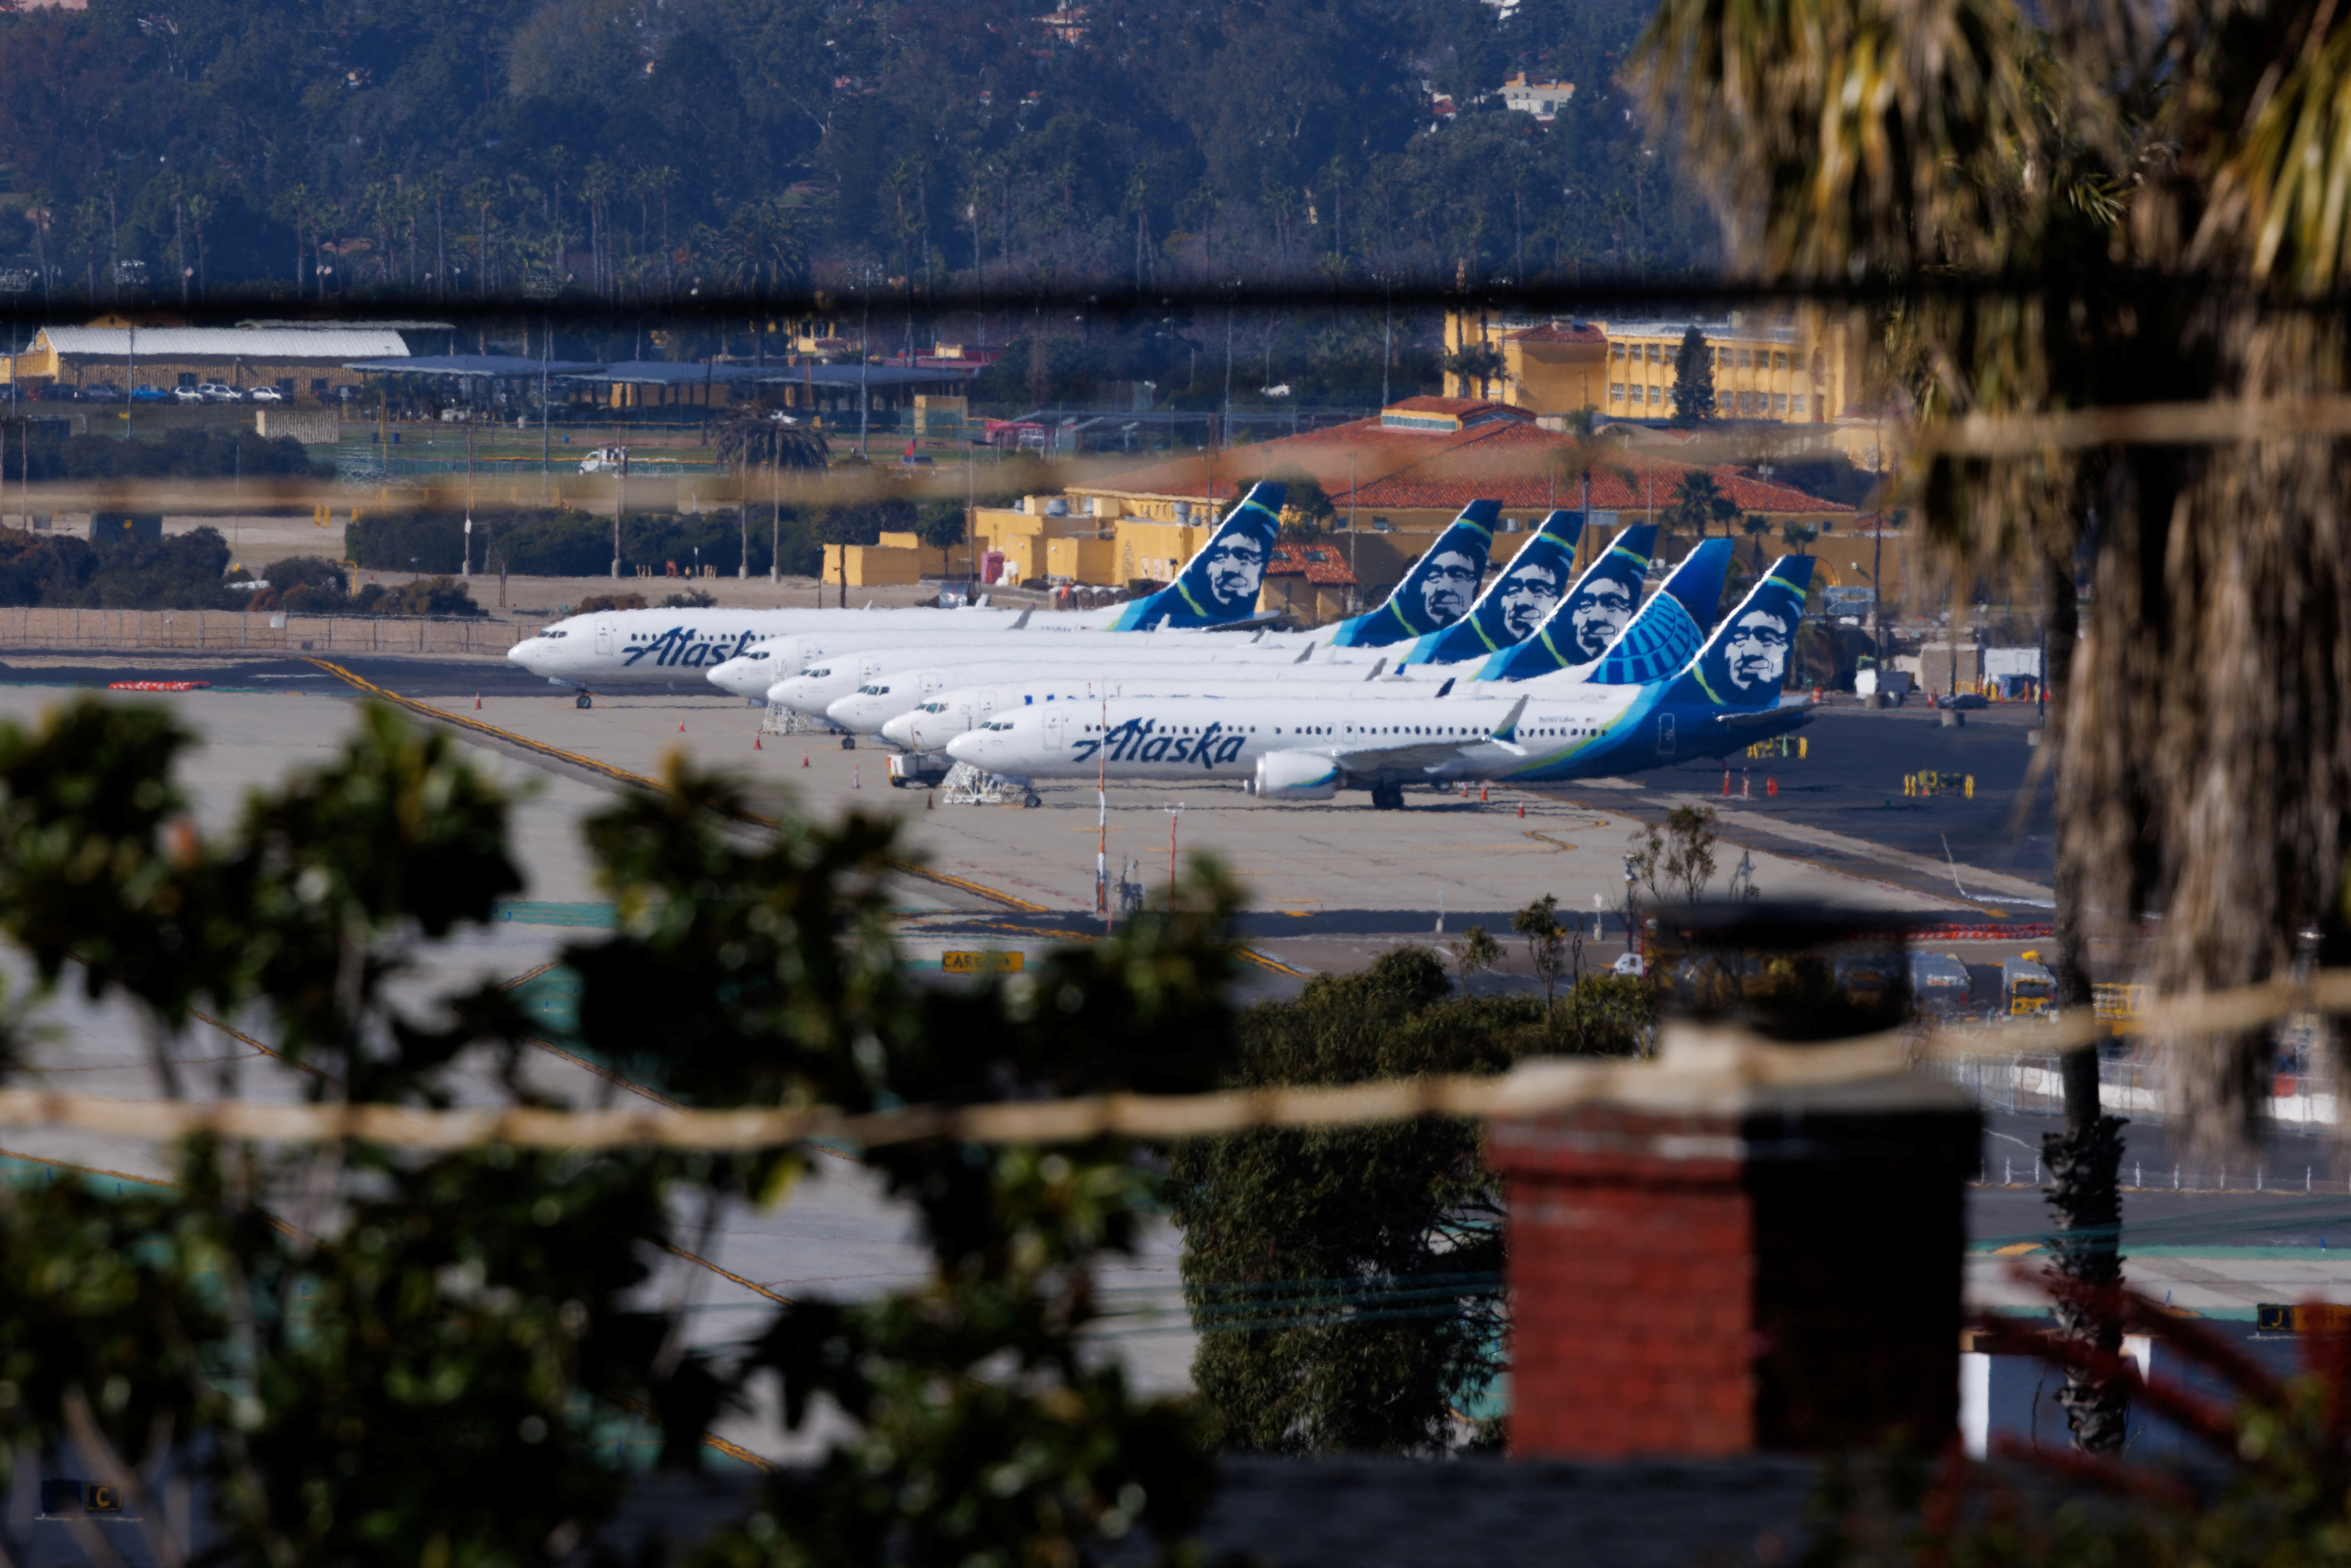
(1295, 775)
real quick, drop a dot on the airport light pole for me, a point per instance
(1173, 812)
(1102, 823)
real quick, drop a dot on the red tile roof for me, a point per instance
(1552, 333)
(1507, 460)
(1319, 564)
(1459, 407)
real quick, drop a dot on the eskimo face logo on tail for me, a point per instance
(1528, 598)
(1747, 663)
(684, 648)
(1604, 604)
(1141, 740)
(1233, 570)
(1448, 586)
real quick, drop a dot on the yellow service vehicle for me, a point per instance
(2027, 987)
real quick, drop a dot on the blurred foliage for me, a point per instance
(374, 1357)
(1346, 1281)
(2265, 1479)
(179, 452)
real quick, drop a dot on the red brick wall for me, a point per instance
(1713, 1284)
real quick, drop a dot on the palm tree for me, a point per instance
(2085, 208)
(1755, 526)
(757, 432)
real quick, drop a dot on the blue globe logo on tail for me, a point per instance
(1671, 627)
(1219, 585)
(1584, 623)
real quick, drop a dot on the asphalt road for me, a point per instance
(1850, 785)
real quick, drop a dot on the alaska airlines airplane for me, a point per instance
(924, 668)
(1218, 586)
(1435, 593)
(1310, 746)
(1518, 599)
(1658, 640)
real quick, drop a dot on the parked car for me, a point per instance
(219, 392)
(188, 394)
(143, 392)
(101, 392)
(55, 392)
(265, 395)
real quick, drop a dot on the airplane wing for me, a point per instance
(1774, 719)
(1426, 751)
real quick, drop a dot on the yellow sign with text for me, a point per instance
(980, 963)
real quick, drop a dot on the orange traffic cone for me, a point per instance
(854, 782)
(755, 743)
(1772, 788)
(477, 702)
(1523, 811)
(1481, 792)
(804, 761)
(681, 726)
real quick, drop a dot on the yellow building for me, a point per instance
(1787, 372)
(873, 566)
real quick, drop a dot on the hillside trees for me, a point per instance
(1283, 137)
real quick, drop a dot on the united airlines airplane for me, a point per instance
(1310, 745)
(1218, 586)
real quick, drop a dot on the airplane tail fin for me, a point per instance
(1616, 576)
(1414, 609)
(1744, 664)
(1219, 585)
(1543, 565)
(1672, 627)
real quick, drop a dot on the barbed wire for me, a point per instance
(1699, 1068)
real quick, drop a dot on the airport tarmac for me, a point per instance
(1330, 887)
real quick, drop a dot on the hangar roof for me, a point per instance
(277, 344)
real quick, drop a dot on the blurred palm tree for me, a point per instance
(2080, 207)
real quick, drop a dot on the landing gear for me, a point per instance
(1387, 797)
(1031, 800)
(583, 700)
(847, 743)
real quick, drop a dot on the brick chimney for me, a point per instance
(1724, 1267)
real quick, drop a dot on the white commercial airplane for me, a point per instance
(1655, 642)
(1310, 745)
(1525, 601)
(1218, 586)
(918, 666)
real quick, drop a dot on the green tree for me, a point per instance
(1693, 388)
(1547, 943)
(1700, 506)
(1345, 1281)
(369, 1385)
(1677, 865)
(1758, 528)
(1476, 953)
(944, 526)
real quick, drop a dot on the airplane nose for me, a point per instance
(522, 653)
(900, 730)
(964, 747)
(849, 710)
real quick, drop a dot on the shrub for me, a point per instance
(421, 596)
(596, 603)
